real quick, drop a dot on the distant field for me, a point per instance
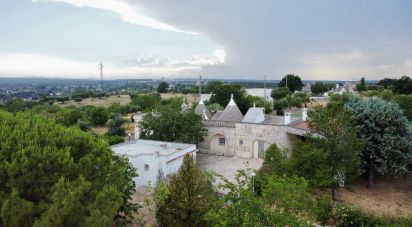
(104, 102)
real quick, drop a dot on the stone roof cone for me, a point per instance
(231, 112)
(202, 110)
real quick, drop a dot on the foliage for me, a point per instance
(400, 86)
(280, 92)
(362, 85)
(309, 160)
(116, 108)
(318, 88)
(334, 133)
(285, 201)
(323, 209)
(214, 107)
(295, 100)
(187, 199)
(112, 140)
(291, 81)
(259, 102)
(221, 95)
(166, 123)
(163, 86)
(405, 103)
(97, 115)
(49, 175)
(115, 125)
(146, 101)
(280, 105)
(385, 131)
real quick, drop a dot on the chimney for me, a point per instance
(304, 114)
(287, 118)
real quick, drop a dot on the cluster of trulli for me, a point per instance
(232, 113)
(231, 133)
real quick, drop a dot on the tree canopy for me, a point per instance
(189, 197)
(291, 81)
(386, 133)
(221, 95)
(335, 135)
(57, 176)
(166, 123)
(280, 92)
(163, 86)
(318, 88)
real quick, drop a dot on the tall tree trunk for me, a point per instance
(334, 193)
(371, 173)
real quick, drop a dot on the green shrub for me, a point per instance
(323, 209)
(347, 216)
(112, 140)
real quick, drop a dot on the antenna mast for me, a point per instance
(101, 75)
(200, 88)
(265, 89)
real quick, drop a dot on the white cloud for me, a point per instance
(218, 58)
(126, 11)
(143, 66)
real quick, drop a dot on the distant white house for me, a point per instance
(154, 159)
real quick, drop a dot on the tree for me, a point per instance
(259, 102)
(405, 103)
(335, 134)
(115, 125)
(385, 131)
(96, 114)
(284, 201)
(188, 199)
(221, 95)
(362, 85)
(403, 85)
(280, 92)
(291, 81)
(318, 88)
(280, 105)
(146, 101)
(163, 86)
(57, 176)
(387, 82)
(170, 124)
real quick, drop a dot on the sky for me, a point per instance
(230, 39)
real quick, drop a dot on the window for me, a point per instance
(222, 141)
(146, 167)
(240, 142)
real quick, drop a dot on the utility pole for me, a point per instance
(101, 76)
(200, 88)
(286, 80)
(264, 93)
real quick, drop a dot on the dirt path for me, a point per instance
(389, 196)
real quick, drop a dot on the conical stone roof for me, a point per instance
(231, 112)
(202, 110)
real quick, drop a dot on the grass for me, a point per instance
(103, 102)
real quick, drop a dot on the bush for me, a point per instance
(112, 140)
(347, 216)
(323, 209)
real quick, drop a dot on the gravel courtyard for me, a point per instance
(226, 166)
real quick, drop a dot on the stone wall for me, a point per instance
(241, 137)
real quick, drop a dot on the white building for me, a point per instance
(154, 159)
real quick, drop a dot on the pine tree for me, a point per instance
(189, 198)
(333, 132)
